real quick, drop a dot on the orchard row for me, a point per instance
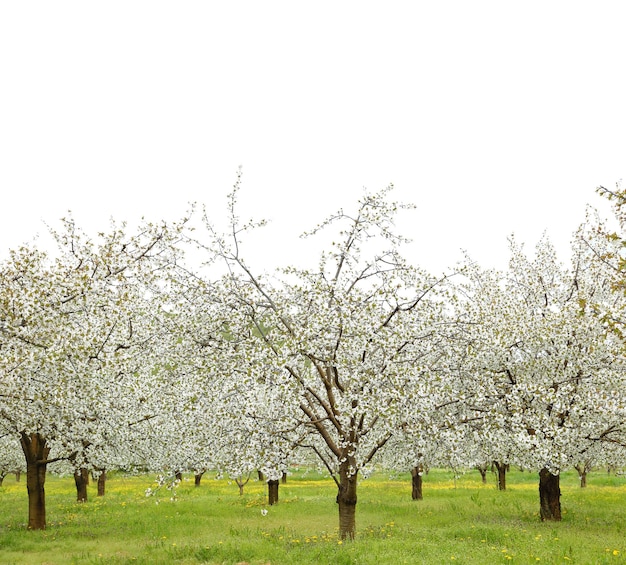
(161, 348)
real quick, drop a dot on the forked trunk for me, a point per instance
(582, 474)
(36, 451)
(197, 478)
(549, 496)
(272, 492)
(81, 479)
(242, 483)
(501, 468)
(482, 469)
(102, 481)
(416, 474)
(346, 499)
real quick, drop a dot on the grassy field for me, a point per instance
(459, 521)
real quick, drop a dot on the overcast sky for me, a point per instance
(492, 117)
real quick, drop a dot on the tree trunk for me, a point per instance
(582, 474)
(346, 499)
(102, 480)
(18, 476)
(501, 468)
(242, 483)
(416, 474)
(179, 476)
(283, 479)
(261, 475)
(2, 479)
(81, 479)
(36, 451)
(549, 496)
(272, 492)
(482, 469)
(197, 478)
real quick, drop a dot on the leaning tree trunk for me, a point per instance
(549, 496)
(197, 478)
(36, 451)
(81, 479)
(102, 480)
(346, 499)
(272, 492)
(416, 474)
(501, 469)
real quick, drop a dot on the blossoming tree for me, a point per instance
(74, 327)
(549, 375)
(347, 336)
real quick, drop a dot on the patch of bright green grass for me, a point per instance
(459, 521)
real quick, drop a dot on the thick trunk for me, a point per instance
(272, 492)
(102, 480)
(416, 474)
(36, 451)
(346, 499)
(197, 478)
(549, 496)
(501, 468)
(81, 479)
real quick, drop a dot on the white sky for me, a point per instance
(492, 117)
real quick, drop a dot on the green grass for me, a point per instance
(458, 521)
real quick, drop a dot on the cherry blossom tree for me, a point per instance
(347, 335)
(548, 374)
(74, 328)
